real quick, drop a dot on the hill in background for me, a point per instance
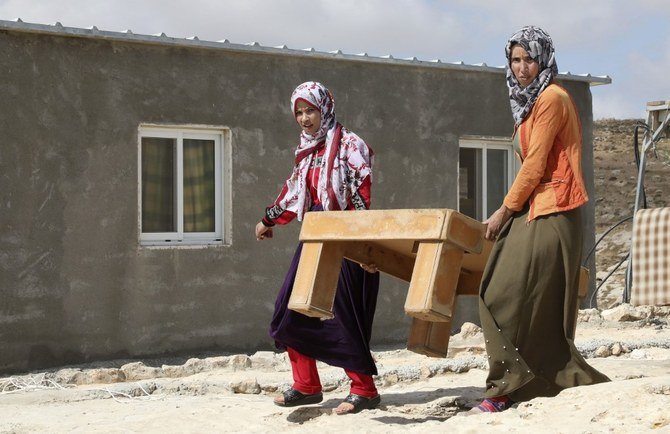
(615, 182)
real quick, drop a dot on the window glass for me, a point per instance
(496, 179)
(199, 186)
(470, 186)
(159, 156)
(484, 170)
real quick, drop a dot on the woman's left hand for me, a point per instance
(370, 268)
(497, 221)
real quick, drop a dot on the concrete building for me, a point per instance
(87, 273)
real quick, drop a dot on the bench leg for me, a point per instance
(432, 290)
(316, 280)
(429, 338)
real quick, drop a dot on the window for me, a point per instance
(486, 169)
(184, 180)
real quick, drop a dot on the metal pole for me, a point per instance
(649, 142)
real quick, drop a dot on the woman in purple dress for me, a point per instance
(332, 171)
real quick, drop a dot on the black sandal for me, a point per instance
(294, 398)
(361, 403)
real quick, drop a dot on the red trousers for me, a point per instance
(306, 377)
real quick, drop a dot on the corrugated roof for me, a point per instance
(254, 47)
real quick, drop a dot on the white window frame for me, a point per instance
(486, 143)
(222, 179)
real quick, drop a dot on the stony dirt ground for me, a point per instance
(419, 394)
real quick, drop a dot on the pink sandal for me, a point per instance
(495, 404)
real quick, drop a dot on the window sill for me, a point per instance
(181, 244)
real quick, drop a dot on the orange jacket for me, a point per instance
(551, 147)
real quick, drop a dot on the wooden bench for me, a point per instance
(440, 252)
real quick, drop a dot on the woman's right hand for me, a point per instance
(262, 231)
(497, 220)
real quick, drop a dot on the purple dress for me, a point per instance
(343, 341)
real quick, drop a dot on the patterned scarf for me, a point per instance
(347, 159)
(540, 47)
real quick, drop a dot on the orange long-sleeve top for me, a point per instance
(551, 146)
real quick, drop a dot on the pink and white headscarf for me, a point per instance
(347, 159)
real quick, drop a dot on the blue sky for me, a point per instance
(625, 39)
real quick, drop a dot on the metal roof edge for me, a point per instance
(254, 47)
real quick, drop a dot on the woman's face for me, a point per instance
(524, 67)
(307, 117)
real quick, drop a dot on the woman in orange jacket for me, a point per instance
(528, 295)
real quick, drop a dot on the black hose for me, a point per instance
(636, 151)
(603, 236)
(607, 277)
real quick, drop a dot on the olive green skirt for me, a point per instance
(528, 308)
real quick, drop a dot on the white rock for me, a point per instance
(173, 371)
(67, 376)
(603, 351)
(622, 313)
(249, 387)
(645, 311)
(469, 329)
(98, 376)
(139, 371)
(662, 311)
(267, 359)
(390, 380)
(588, 315)
(240, 361)
(638, 354)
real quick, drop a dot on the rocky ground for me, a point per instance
(419, 394)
